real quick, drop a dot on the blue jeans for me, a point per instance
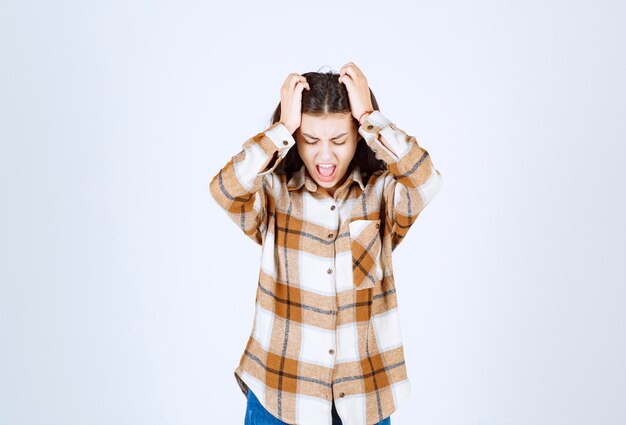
(256, 414)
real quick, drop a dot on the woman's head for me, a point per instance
(327, 141)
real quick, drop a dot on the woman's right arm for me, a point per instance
(243, 185)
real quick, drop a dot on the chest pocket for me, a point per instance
(366, 249)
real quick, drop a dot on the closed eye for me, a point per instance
(315, 141)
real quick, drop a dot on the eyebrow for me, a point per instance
(332, 138)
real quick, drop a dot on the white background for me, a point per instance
(126, 293)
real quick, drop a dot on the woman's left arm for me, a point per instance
(412, 181)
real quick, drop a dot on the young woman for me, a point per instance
(326, 346)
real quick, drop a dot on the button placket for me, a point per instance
(331, 270)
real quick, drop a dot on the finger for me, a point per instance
(347, 64)
(288, 80)
(346, 79)
(353, 72)
(304, 82)
(291, 81)
(297, 79)
(301, 86)
(348, 68)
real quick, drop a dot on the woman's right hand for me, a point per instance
(291, 101)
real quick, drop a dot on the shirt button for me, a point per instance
(332, 208)
(341, 394)
(333, 312)
(369, 127)
(285, 142)
(377, 225)
(331, 351)
(330, 235)
(329, 271)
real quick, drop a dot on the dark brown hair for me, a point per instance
(328, 96)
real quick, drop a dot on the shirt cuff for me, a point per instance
(397, 140)
(281, 137)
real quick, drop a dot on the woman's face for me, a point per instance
(326, 145)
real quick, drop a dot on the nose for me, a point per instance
(326, 152)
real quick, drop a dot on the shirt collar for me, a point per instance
(302, 177)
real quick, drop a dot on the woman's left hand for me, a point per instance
(358, 90)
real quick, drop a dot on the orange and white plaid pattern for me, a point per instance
(326, 322)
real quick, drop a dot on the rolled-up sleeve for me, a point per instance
(243, 185)
(412, 181)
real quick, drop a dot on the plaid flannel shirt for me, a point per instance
(326, 324)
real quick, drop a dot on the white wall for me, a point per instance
(123, 296)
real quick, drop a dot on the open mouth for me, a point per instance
(326, 172)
